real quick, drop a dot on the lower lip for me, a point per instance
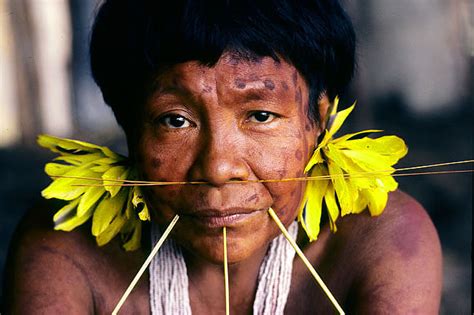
(221, 221)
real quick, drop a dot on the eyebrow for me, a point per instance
(172, 90)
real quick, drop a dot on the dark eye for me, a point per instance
(175, 121)
(261, 117)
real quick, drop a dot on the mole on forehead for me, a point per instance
(254, 84)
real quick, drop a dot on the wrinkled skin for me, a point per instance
(239, 120)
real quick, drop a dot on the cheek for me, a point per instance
(287, 205)
(160, 159)
(161, 162)
(286, 158)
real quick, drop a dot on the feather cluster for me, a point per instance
(351, 173)
(89, 177)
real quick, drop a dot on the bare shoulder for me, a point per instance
(399, 258)
(390, 264)
(52, 271)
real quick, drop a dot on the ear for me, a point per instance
(324, 108)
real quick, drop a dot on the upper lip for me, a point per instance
(221, 212)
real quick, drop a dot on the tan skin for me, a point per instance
(238, 120)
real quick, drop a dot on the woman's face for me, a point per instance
(239, 120)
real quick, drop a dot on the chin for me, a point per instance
(240, 246)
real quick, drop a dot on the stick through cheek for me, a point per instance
(226, 273)
(147, 262)
(306, 261)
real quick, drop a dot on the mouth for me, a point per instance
(211, 218)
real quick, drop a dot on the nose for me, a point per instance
(220, 159)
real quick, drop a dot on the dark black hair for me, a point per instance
(133, 39)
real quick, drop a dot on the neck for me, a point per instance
(206, 284)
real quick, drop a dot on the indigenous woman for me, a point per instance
(227, 94)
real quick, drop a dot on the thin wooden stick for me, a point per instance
(281, 180)
(145, 264)
(306, 261)
(392, 172)
(226, 274)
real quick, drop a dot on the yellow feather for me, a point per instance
(106, 211)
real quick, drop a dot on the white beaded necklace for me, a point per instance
(169, 280)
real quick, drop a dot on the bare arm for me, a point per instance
(41, 276)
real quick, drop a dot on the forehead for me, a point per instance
(230, 71)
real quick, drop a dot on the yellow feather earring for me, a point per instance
(90, 181)
(348, 174)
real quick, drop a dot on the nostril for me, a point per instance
(218, 165)
(217, 175)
